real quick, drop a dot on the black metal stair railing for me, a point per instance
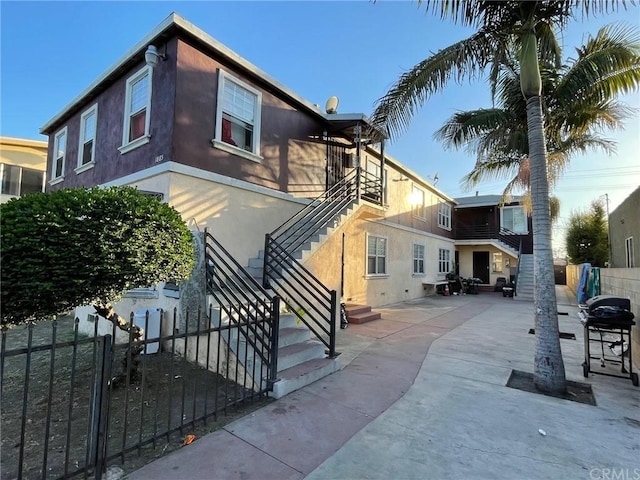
(304, 295)
(245, 303)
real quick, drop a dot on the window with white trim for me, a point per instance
(87, 145)
(19, 181)
(417, 202)
(514, 219)
(418, 259)
(376, 255)
(238, 115)
(444, 215)
(137, 110)
(444, 257)
(59, 154)
(497, 261)
(628, 251)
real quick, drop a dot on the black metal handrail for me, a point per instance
(245, 302)
(489, 232)
(303, 294)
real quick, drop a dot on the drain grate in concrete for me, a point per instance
(565, 335)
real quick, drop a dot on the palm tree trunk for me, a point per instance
(548, 368)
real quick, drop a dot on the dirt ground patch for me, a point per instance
(170, 396)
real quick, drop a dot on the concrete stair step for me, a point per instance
(297, 353)
(292, 335)
(298, 376)
(358, 314)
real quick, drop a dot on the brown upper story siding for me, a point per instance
(110, 164)
(292, 161)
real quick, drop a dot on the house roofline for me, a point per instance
(23, 142)
(181, 25)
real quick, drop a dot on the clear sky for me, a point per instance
(51, 51)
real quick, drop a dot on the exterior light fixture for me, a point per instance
(151, 56)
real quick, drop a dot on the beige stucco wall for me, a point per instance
(399, 283)
(237, 216)
(622, 282)
(465, 257)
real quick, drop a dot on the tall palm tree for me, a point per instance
(573, 123)
(530, 26)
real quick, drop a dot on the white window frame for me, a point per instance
(127, 146)
(217, 142)
(417, 259)
(385, 256)
(54, 157)
(628, 252)
(93, 110)
(444, 215)
(444, 261)
(524, 213)
(418, 202)
(497, 263)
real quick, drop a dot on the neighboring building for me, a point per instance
(22, 166)
(239, 153)
(624, 232)
(490, 236)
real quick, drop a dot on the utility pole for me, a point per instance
(609, 265)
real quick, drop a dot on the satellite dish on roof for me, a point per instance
(332, 105)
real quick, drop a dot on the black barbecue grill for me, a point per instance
(610, 316)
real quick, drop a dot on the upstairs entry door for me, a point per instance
(336, 155)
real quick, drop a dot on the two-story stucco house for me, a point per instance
(239, 154)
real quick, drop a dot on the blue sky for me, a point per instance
(51, 51)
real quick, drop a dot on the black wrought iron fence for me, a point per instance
(69, 410)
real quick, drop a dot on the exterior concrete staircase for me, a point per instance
(524, 286)
(358, 314)
(301, 359)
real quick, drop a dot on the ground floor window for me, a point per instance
(444, 260)
(376, 255)
(418, 259)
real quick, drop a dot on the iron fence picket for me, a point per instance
(103, 443)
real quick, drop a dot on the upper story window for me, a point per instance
(418, 259)
(18, 181)
(238, 117)
(513, 219)
(444, 215)
(417, 202)
(59, 155)
(376, 255)
(137, 109)
(87, 145)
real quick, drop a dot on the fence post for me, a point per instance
(100, 406)
(275, 340)
(267, 241)
(332, 324)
